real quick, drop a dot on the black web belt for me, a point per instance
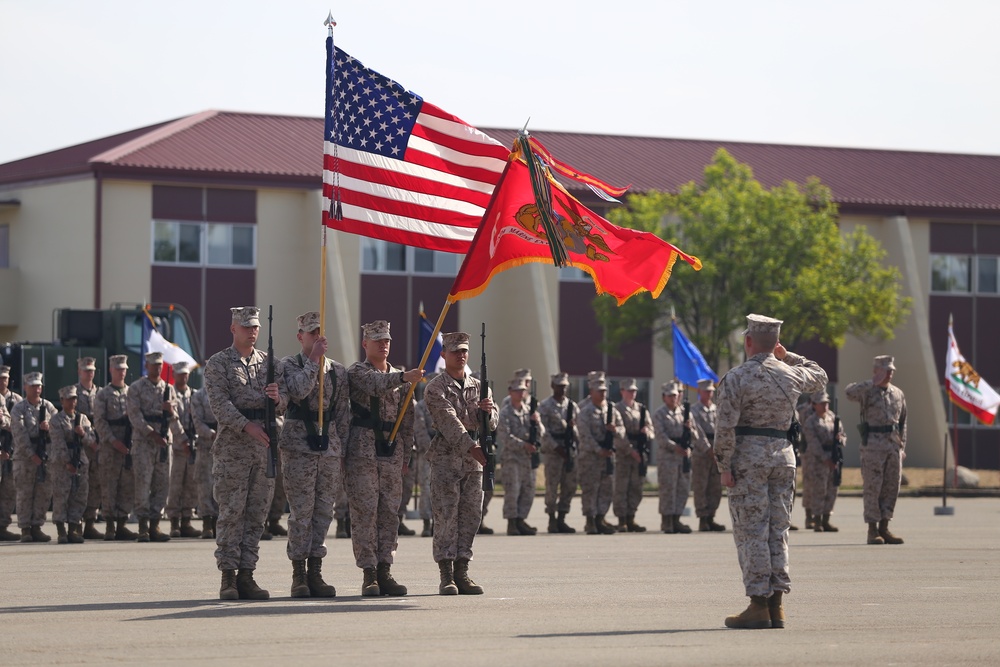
(766, 432)
(883, 429)
(259, 414)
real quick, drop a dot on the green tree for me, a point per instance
(774, 251)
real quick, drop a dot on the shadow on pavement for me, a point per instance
(622, 633)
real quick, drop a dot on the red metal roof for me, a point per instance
(259, 147)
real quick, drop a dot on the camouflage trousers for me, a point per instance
(706, 483)
(8, 495)
(68, 505)
(880, 472)
(674, 483)
(152, 479)
(95, 491)
(33, 497)
(311, 482)
(409, 480)
(560, 486)
(203, 476)
(117, 483)
(596, 487)
(424, 487)
(818, 492)
(279, 499)
(488, 493)
(628, 486)
(243, 493)
(518, 488)
(457, 504)
(760, 505)
(373, 487)
(182, 495)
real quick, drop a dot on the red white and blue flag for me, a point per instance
(966, 388)
(401, 169)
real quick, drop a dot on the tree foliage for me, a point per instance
(776, 252)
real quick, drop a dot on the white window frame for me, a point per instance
(203, 258)
(970, 259)
(409, 259)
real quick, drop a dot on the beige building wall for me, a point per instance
(127, 233)
(53, 227)
(521, 312)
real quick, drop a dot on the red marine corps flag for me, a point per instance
(532, 218)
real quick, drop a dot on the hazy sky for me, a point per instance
(904, 74)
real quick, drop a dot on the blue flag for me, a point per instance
(435, 362)
(689, 365)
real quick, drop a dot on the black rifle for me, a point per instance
(192, 437)
(685, 440)
(127, 463)
(271, 421)
(609, 440)
(165, 425)
(41, 449)
(569, 441)
(76, 448)
(486, 433)
(640, 442)
(794, 436)
(536, 456)
(837, 453)
(7, 447)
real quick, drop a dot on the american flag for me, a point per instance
(405, 170)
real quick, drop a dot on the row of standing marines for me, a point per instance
(133, 427)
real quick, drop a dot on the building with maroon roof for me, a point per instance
(220, 208)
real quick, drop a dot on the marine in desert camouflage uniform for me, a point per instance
(629, 461)
(114, 430)
(560, 464)
(423, 432)
(457, 461)
(817, 461)
(312, 460)
(29, 419)
(516, 448)
(883, 446)
(205, 426)
(756, 403)
(705, 480)
(373, 471)
(8, 493)
(69, 429)
(674, 483)
(149, 414)
(86, 392)
(182, 493)
(236, 382)
(596, 483)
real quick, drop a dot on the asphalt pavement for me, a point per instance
(624, 599)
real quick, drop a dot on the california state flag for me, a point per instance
(965, 388)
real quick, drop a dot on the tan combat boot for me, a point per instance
(122, 531)
(755, 617)
(74, 533)
(386, 584)
(38, 536)
(525, 529)
(703, 525)
(553, 523)
(810, 521)
(369, 583)
(590, 528)
(155, 534)
(466, 586)
(622, 526)
(667, 524)
(26, 535)
(175, 527)
(447, 586)
(873, 536)
(512, 528)
(207, 527)
(61, 533)
(248, 588)
(109, 530)
(632, 526)
(883, 531)
(228, 590)
(776, 609)
(187, 530)
(428, 530)
(276, 529)
(562, 525)
(603, 527)
(827, 526)
(680, 527)
(8, 536)
(341, 530)
(715, 527)
(143, 530)
(90, 532)
(484, 529)
(403, 529)
(300, 589)
(314, 577)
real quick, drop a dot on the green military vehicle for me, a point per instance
(99, 334)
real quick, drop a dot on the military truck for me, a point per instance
(99, 334)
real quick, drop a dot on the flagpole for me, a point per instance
(329, 23)
(423, 361)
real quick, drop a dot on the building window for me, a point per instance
(986, 275)
(4, 246)
(951, 273)
(204, 244)
(382, 256)
(572, 274)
